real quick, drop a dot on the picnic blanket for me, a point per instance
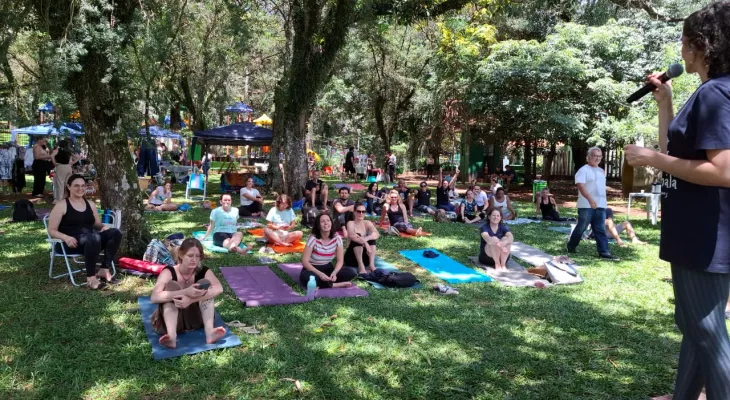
(515, 275)
(558, 272)
(386, 266)
(445, 267)
(260, 286)
(294, 270)
(187, 342)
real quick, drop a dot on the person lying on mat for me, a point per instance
(423, 200)
(76, 222)
(324, 246)
(362, 234)
(222, 226)
(343, 209)
(397, 214)
(547, 205)
(161, 198)
(251, 201)
(374, 198)
(315, 192)
(496, 241)
(443, 202)
(280, 222)
(615, 230)
(502, 202)
(468, 210)
(184, 294)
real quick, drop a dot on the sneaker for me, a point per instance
(443, 289)
(609, 257)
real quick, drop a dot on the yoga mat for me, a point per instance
(515, 275)
(352, 186)
(208, 243)
(294, 270)
(187, 342)
(385, 227)
(259, 232)
(445, 267)
(42, 212)
(4, 207)
(297, 248)
(260, 286)
(384, 265)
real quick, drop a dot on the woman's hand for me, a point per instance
(638, 156)
(182, 301)
(663, 91)
(323, 276)
(194, 291)
(333, 276)
(70, 242)
(368, 249)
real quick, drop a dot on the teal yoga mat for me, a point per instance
(187, 342)
(208, 243)
(445, 267)
(384, 265)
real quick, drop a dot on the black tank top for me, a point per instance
(395, 216)
(198, 275)
(75, 223)
(63, 156)
(547, 209)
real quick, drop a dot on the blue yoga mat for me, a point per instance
(188, 342)
(384, 265)
(208, 243)
(445, 267)
(4, 207)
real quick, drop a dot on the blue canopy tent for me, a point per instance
(72, 129)
(238, 134)
(156, 131)
(167, 122)
(239, 107)
(48, 107)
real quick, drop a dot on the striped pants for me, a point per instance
(704, 358)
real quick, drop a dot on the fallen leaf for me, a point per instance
(409, 340)
(297, 384)
(333, 317)
(326, 325)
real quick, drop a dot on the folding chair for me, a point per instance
(58, 249)
(197, 182)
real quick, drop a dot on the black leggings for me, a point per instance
(351, 259)
(488, 261)
(246, 211)
(346, 274)
(91, 244)
(220, 237)
(553, 216)
(40, 170)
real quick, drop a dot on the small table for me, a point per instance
(652, 205)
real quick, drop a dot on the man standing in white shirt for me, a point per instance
(591, 182)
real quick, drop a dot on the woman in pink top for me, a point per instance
(324, 246)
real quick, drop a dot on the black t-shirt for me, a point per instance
(696, 218)
(63, 156)
(403, 193)
(442, 196)
(350, 158)
(311, 184)
(423, 198)
(344, 203)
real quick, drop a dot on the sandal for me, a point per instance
(100, 286)
(113, 281)
(240, 325)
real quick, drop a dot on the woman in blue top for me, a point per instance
(223, 221)
(695, 159)
(496, 241)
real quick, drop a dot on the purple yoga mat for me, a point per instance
(259, 286)
(294, 270)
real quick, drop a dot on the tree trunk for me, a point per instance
(534, 160)
(528, 162)
(547, 168)
(580, 151)
(108, 149)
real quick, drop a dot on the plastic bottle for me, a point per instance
(311, 288)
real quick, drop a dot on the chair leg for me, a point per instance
(71, 273)
(50, 266)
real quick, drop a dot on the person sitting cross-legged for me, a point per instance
(280, 222)
(362, 234)
(547, 206)
(223, 221)
(496, 241)
(374, 198)
(468, 210)
(423, 200)
(324, 247)
(183, 305)
(397, 214)
(161, 199)
(502, 202)
(251, 201)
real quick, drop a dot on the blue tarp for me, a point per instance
(48, 107)
(239, 108)
(156, 131)
(244, 133)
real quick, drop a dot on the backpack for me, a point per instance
(398, 280)
(23, 211)
(309, 215)
(158, 253)
(18, 175)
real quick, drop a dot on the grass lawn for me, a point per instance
(612, 337)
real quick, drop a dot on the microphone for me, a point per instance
(674, 71)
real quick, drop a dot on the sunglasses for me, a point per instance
(360, 211)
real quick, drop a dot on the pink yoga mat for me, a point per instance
(294, 270)
(260, 286)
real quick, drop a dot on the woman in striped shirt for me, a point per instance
(323, 246)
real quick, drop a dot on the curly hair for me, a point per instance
(317, 228)
(708, 31)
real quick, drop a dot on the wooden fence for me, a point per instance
(563, 166)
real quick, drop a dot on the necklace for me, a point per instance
(185, 280)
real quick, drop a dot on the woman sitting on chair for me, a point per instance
(280, 222)
(496, 241)
(397, 216)
(185, 296)
(76, 222)
(223, 221)
(161, 199)
(324, 246)
(362, 234)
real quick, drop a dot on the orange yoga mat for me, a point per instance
(297, 248)
(259, 232)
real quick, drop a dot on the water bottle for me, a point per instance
(311, 288)
(106, 218)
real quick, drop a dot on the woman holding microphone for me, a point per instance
(695, 159)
